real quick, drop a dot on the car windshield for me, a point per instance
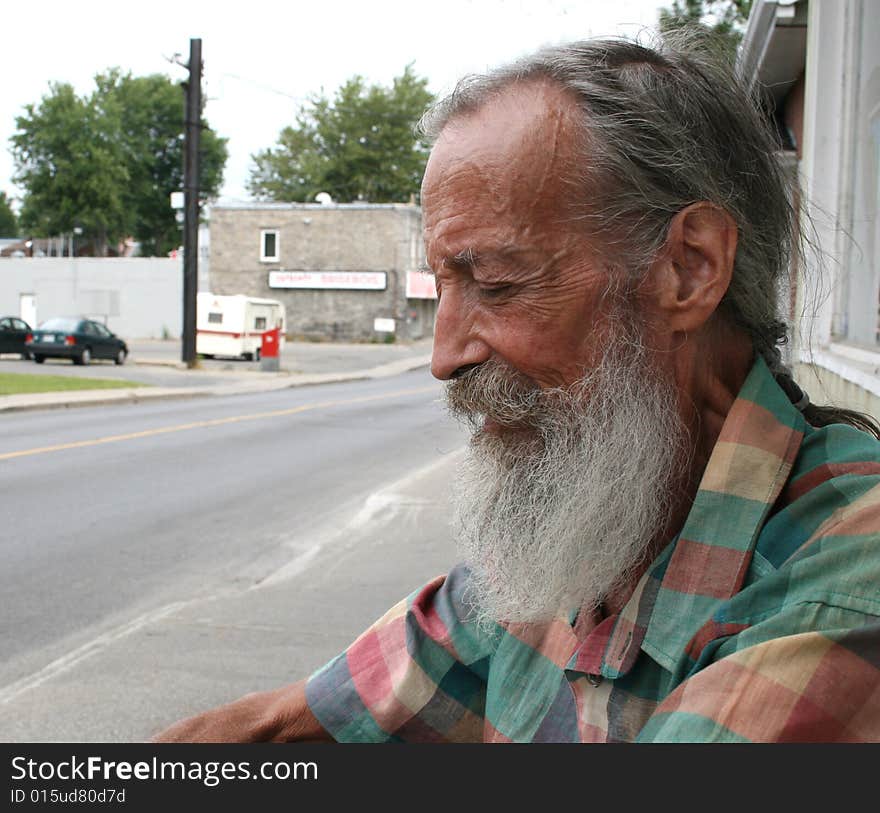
(60, 323)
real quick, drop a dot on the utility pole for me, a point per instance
(191, 175)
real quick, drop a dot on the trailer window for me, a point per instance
(269, 246)
(215, 318)
(260, 323)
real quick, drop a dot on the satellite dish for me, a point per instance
(324, 199)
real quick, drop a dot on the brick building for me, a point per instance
(345, 272)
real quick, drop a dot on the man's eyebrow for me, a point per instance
(465, 260)
(468, 258)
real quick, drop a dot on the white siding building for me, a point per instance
(819, 62)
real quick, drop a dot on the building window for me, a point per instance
(269, 246)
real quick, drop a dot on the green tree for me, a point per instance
(147, 113)
(71, 167)
(8, 220)
(724, 20)
(108, 162)
(361, 145)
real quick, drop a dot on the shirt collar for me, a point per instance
(707, 562)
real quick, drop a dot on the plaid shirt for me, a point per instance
(759, 622)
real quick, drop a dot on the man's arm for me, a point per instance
(280, 715)
(417, 674)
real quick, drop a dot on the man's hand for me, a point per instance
(281, 715)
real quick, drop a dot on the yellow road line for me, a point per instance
(164, 430)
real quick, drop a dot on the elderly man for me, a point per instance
(662, 540)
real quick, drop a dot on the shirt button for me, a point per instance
(595, 680)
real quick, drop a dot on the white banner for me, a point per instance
(341, 280)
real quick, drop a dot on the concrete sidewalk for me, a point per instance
(303, 364)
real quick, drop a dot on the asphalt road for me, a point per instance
(126, 526)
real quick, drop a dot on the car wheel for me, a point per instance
(84, 357)
(247, 356)
(39, 359)
(120, 356)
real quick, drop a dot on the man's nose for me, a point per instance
(457, 344)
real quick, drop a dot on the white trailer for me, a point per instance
(234, 325)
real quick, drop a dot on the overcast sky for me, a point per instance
(262, 59)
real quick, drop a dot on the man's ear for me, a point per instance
(693, 271)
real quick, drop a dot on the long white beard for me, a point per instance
(555, 518)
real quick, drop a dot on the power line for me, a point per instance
(263, 86)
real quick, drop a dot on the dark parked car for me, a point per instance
(14, 332)
(74, 338)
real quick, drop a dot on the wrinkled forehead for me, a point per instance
(520, 143)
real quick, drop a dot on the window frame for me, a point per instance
(265, 258)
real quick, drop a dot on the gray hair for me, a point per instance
(664, 127)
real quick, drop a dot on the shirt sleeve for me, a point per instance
(417, 675)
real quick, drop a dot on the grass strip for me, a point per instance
(20, 383)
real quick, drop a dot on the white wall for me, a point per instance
(841, 176)
(137, 297)
(840, 167)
